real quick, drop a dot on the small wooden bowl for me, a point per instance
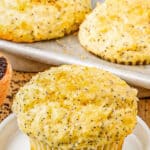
(5, 77)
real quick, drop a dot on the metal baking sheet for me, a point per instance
(68, 50)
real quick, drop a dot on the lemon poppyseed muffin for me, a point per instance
(119, 31)
(76, 107)
(36, 20)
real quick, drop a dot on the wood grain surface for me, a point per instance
(144, 110)
(20, 78)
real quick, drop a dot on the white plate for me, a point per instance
(12, 139)
(68, 50)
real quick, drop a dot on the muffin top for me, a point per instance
(119, 31)
(76, 107)
(36, 20)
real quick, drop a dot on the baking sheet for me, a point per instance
(68, 50)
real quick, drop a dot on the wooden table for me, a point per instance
(19, 79)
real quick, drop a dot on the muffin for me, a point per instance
(5, 77)
(119, 31)
(36, 20)
(76, 107)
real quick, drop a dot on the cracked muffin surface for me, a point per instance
(76, 107)
(36, 20)
(119, 31)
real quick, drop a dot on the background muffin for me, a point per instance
(119, 31)
(76, 107)
(33, 20)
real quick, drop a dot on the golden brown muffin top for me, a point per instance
(30, 21)
(76, 107)
(119, 31)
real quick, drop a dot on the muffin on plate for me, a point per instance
(119, 31)
(5, 77)
(76, 107)
(36, 20)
